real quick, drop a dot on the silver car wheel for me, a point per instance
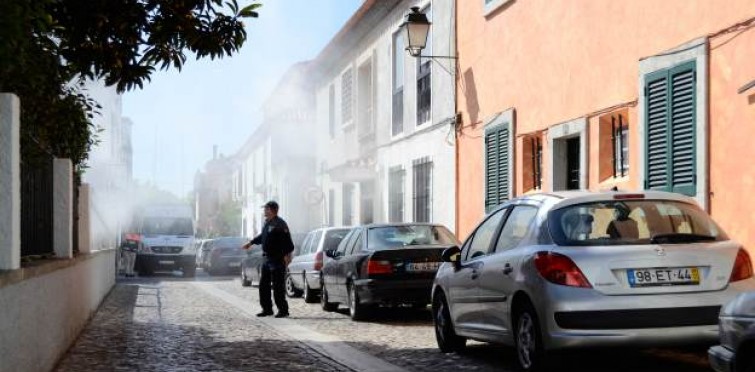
(526, 341)
(440, 321)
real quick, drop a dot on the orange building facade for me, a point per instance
(640, 94)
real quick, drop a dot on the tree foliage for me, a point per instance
(48, 48)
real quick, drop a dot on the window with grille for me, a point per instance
(424, 79)
(332, 111)
(398, 84)
(422, 172)
(348, 207)
(537, 162)
(347, 96)
(620, 139)
(670, 136)
(497, 165)
(396, 176)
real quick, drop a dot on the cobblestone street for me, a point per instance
(169, 323)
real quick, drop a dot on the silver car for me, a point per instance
(575, 269)
(304, 270)
(737, 323)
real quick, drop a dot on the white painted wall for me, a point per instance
(42, 316)
(411, 144)
(10, 182)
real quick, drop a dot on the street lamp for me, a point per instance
(415, 29)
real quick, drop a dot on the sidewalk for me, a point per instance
(173, 326)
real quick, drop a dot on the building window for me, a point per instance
(670, 135)
(366, 202)
(398, 84)
(347, 96)
(332, 207)
(533, 162)
(348, 207)
(396, 177)
(423, 171)
(332, 111)
(497, 165)
(424, 81)
(620, 139)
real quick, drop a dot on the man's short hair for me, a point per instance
(273, 205)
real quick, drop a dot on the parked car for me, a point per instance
(225, 255)
(573, 269)
(737, 332)
(304, 271)
(389, 264)
(251, 266)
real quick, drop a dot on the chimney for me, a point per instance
(214, 152)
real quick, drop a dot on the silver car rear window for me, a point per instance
(632, 222)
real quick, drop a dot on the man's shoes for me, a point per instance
(281, 315)
(265, 313)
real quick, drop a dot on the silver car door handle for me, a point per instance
(507, 269)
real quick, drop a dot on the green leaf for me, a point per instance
(248, 11)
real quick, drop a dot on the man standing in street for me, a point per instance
(276, 247)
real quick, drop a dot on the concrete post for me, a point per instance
(62, 208)
(85, 227)
(10, 182)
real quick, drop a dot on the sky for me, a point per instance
(179, 116)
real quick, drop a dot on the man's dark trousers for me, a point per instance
(275, 272)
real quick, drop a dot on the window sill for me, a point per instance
(348, 126)
(614, 181)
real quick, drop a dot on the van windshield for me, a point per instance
(632, 222)
(167, 226)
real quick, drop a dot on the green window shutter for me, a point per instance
(503, 164)
(683, 92)
(671, 119)
(491, 170)
(656, 141)
(497, 157)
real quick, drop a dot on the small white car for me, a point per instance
(575, 269)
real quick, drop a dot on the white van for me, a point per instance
(168, 242)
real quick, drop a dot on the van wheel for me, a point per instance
(189, 271)
(445, 335)
(310, 296)
(528, 339)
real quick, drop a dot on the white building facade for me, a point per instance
(385, 120)
(277, 162)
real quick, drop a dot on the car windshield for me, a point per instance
(632, 222)
(333, 238)
(406, 235)
(167, 226)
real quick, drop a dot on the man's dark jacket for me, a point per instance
(275, 239)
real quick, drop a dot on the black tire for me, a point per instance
(528, 339)
(146, 270)
(325, 301)
(357, 310)
(291, 290)
(742, 363)
(244, 281)
(310, 296)
(445, 335)
(189, 271)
